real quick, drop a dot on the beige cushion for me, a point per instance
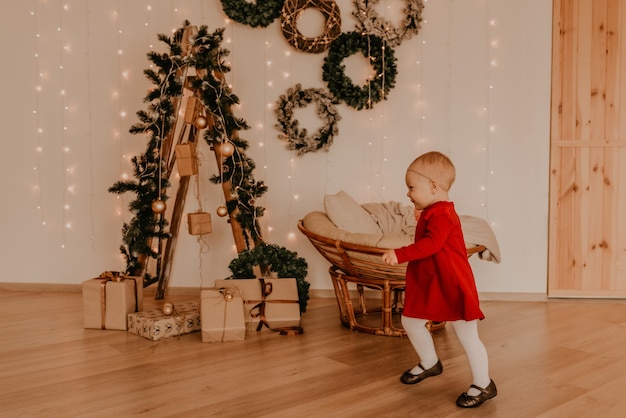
(319, 223)
(347, 214)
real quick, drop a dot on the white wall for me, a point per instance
(475, 84)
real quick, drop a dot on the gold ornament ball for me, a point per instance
(201, 122)
(222, 211)
(158, 206)
(227, 149)
(168, 308)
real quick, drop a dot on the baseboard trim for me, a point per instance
(77, 288)
(40, 287)
(512, 297)
(483, 296)
(323, 293)
(313, 293)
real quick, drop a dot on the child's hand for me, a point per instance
(390, 258)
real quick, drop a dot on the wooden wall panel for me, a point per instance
(587, 231)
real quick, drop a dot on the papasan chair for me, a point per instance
(352, 237)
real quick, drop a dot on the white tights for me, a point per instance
(466, 332)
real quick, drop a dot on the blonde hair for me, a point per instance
(435, 166)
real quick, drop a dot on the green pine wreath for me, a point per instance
(280, 260)
(299, 140)
(381, 58)
(260, 13)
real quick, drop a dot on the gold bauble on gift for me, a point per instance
(158, 206)
(222, 211)
(228, 294)
(201, 122)
(168, 308)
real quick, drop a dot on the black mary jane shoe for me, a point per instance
(409, 378)
(467, 401)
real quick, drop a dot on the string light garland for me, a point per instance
(381, 58)
(380, 152)
(259, 13)
(151, 179)
(298, 138)
(370, 22)
(116, 95)
(289, 24)
(420, 104)
(37, 168)
(491, 129)
(65, 149)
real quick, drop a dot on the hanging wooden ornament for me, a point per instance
(199, 223)
(222, 211)
(186, 159)
(159, 206)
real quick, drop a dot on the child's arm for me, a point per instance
(390, 258)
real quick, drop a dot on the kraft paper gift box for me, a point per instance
(155, 325)
(222, 315)
(199, 223)
(272, 300)
(186, 159)
(108, 299)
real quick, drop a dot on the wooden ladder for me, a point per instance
(185, 131)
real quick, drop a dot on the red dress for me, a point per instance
(440, 284)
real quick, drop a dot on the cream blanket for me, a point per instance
(395, 219)
(477, 231)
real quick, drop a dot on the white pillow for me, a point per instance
(347, 214)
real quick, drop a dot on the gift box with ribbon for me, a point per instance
(222, 315)
(272, 303)
(199, 223)
(109, 298)
(156, 325)
(186, 159)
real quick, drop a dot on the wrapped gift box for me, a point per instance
(274, 301)
(199, 223)
(222, 315)
(108, 299)
(186, 159)
(155, 325)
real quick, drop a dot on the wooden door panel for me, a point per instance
(587, 224)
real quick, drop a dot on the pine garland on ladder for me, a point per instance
(158, 121)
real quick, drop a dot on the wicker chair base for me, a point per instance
(361, 266)
(380, 316)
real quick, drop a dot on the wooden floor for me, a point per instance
(549, 359)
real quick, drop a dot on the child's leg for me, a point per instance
(422, 342)
(467, 333)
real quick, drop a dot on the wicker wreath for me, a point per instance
(381, 58)
(260, 13)
(369, 21)
(289, 21)
(290, 128)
